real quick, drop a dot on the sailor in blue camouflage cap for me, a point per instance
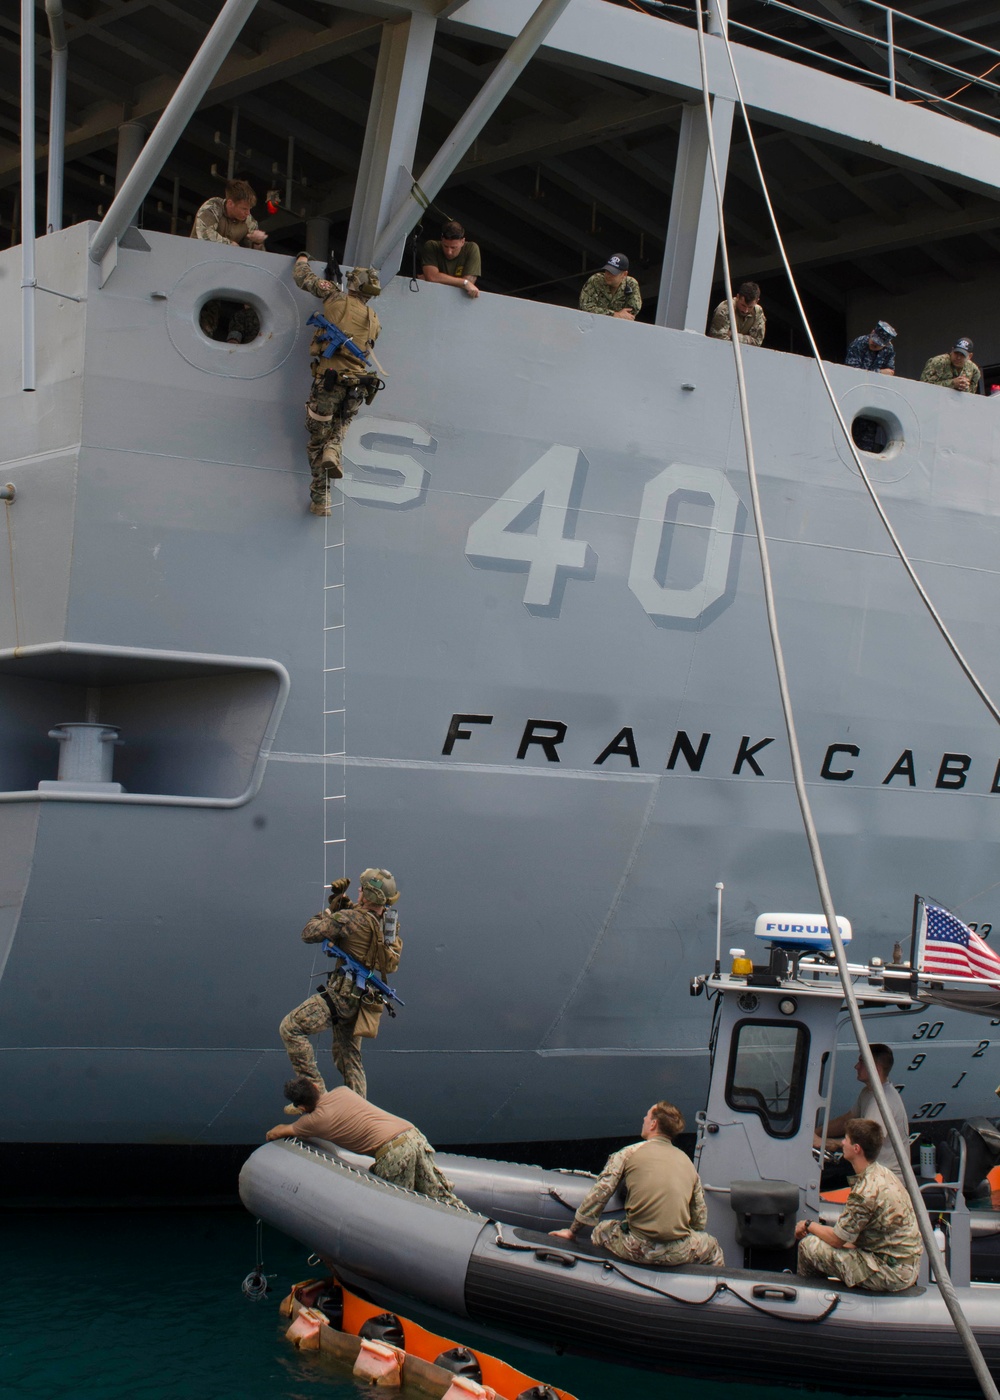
(874, 351)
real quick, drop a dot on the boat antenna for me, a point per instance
(901, 1148)
(718, 926)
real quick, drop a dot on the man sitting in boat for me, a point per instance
(866, 1107)
(402, 1153)
(665, 1213)
(875, 1245)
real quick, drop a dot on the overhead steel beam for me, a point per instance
(536, 214)
(856, 236)
(165, 135)
(288, 54)
(390, 143)
(957, 268)
(883, 208)
(482, 107)
(662, 56)
(881, 272)
(587, 184)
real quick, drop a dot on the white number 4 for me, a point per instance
(530, 529)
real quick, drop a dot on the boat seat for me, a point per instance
(593, 1251)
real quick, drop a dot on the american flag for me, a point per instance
(949, 948)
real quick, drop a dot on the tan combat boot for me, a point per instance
(319, 495)
(331, 460)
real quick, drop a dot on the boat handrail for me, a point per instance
(899, 77)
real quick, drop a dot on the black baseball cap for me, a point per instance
(617, 262)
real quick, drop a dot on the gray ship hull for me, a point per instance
(560, 722)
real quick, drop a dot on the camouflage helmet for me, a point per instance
(379, 886)
(364, 280)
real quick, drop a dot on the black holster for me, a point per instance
(324, 992)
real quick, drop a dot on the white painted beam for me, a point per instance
(663, 56)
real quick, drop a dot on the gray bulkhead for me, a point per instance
(161, 511)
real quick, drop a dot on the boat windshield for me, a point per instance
(767, 1071)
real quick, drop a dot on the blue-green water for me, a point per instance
(146, 1305)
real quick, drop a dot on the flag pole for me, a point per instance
(914, 950)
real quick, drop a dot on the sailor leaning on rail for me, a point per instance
(368, 933)
(343, 375)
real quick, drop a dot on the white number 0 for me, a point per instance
(663, 603)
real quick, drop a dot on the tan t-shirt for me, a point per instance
(659, 1183)
(345, 1118)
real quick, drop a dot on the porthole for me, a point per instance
(226, 293)
(884, 430)
(877, 433)
(229, 322)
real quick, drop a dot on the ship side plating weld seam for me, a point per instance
(588, 962)
(457, 766)
(233, 1095)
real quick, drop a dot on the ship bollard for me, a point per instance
(86, 758)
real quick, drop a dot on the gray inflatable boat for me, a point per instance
(500, 1270)
(773, 1053)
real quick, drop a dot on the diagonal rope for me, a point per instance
(925, 598)
(945, 1285)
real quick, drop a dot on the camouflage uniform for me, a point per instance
(408, 1161)
(336, 394)
(212, 223)
(359, 933)
(940, 370)
(694, 1246)
(878, 1220)
(750, 327)
(601, 300)
(860, 355)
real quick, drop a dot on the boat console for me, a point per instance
(774, 1045)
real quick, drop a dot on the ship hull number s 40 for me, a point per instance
(685, 541)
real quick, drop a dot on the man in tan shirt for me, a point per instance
(665, 1213)
(402, 1153)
